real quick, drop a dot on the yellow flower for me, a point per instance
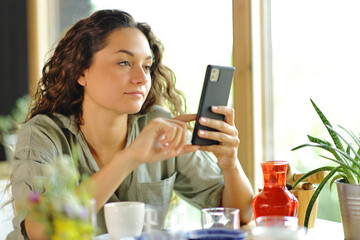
(71, 229)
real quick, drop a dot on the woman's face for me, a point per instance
(118, 79)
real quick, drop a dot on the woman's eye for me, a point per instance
(124, 63)
(147, 68)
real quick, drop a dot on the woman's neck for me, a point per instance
(105, 135)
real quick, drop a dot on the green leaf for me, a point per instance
(348, 150)
(340, 160)
(317, 140)
(312, 172)
(334, 137)
(346, 170)
(338, 176)
(358, 152)
(346, 155)
(324, 144)
(356, 140)
(301, 146)
(316, 194)
(339, 135)
(330, 149)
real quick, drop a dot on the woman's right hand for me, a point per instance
(162, 139)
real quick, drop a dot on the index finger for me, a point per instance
(185, 117)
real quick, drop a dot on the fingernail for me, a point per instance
(201, 132)
(203, 120)
(214, 108)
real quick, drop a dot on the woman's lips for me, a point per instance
(137, 94)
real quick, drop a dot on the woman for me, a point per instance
(106, 90)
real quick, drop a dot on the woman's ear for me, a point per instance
(82, 80)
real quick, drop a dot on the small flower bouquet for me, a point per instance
(66, 210)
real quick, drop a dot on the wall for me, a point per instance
(13, 55)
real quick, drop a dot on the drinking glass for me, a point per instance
(154, 217)
(277, 228)
(278, 221)
(220, 218)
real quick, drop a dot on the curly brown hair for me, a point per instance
(58, 90)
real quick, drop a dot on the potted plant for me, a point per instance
(10, 124)
(345, 153)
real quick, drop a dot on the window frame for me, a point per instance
(243, 86)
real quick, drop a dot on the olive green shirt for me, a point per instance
(195, 177)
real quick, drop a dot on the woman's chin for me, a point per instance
(134, 110)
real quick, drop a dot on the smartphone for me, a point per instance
(215, 92)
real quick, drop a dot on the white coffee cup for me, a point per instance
(124, 219)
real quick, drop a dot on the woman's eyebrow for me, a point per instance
(130, 53)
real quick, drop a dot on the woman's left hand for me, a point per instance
(227, 136)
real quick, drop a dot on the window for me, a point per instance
(315, 54)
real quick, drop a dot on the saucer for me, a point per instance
(216, 234)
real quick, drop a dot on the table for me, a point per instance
(323, 229)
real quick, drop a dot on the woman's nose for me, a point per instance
(139, 75)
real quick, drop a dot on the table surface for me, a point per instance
(323, 229)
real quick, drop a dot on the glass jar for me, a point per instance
(275, 198)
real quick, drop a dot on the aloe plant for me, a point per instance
(345, 153)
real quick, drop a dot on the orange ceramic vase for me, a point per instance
(275, 198)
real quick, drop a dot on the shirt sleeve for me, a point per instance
(24, 175)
